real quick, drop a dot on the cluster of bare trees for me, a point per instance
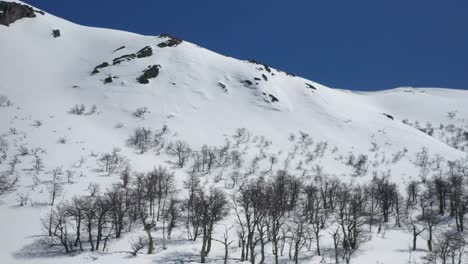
(455, 135)
(81, 110)
(7, 183)
(141, 200)
(283, 208)
(89, 221)
(436, 203)
(113, 162)
(144, 139)
(359, 164)
(4, 101)
(284, 213)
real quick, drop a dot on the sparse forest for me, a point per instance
(277, 205)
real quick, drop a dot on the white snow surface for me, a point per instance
(44, 77)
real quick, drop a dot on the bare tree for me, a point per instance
(209, 208)
(3, 148)
(449, 249)
(138, 245)
(55, 189)
(226, 243)
(351, 216)
(7, 183)
(182, 150)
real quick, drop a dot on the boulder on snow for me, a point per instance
(150, 73)
(273, 98)
(11, 12)
(223, 86)
(145, 52)
(267, 68)
(126, 57)
(100, 66)
(388, 116)
(247, 82)
(122, 47)
(108, 80)
(310, 86)
(56, 33)
(171, 42)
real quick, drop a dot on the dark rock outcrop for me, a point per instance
(145, 52)
(108, 80)
(267, 68)
(388, 116)
(123, 47)
(273, 98)
(171, 42)
(11, 12)
(150, 73)
(56, 33)
(310, 86)
(126, 57)
(223, 86)
(100, 66)
(247, 82)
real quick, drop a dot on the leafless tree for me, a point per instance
(226, 243)
(182, 150)
(209, 207)
(7, 183)
(138, 244)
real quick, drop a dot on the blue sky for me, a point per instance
(358, 44)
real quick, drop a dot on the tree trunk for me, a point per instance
(150, 242)
(203, 251)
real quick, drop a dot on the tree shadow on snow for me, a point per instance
(178, 258)
(39, 248)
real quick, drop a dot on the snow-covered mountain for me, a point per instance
(125, 81)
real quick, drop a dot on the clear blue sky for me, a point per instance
(353, 44)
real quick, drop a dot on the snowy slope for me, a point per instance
(200, 95)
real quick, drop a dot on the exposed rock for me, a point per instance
(264, 77)
(100, 66)
(257, 79)
(247, 82)
(150, 73)
(108, 80)
(127, 57)
(171, 42)
(267, 68)
(310, 86)
(388, 116)
(123, 47)
(273, 98)
(223, 86)
(145, 52)
(11, 12)
(56, 33)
